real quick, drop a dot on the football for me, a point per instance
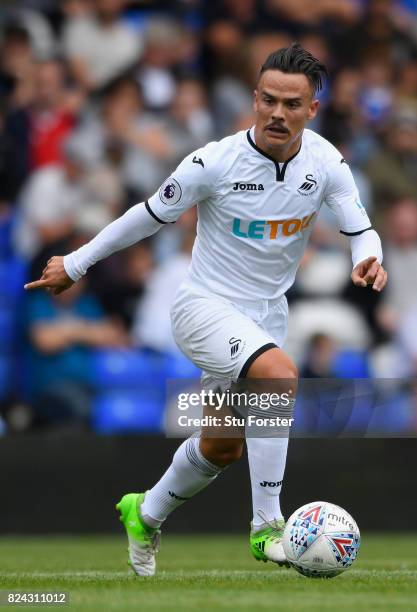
(321, 540)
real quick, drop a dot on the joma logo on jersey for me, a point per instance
(271, 229)
(248, 187)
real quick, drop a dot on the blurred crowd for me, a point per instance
(101, 99)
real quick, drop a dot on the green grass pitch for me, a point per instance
(206, 573)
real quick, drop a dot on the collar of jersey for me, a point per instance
(280, 170)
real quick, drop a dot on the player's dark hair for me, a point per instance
(296, 60)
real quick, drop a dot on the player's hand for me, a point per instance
(369, 272)
(54, 278)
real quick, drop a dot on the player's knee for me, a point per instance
(279, 370)
(220, 452)
(273, 364)
(230, 454)
(290, 370)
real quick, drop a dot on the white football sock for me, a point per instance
(188, 474)
(267, 458)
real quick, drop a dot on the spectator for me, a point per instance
(146, 150)
(376, 98)
(119, 281)
(400, 256)
(39, 129)
(38, 27)
(392, 170)
(100, 47)
(388, 40)
(343, 123)
(190, 123)
(237, 70)
(406, 86)
(16, 66)
(152, 326)
(300, 15)
(62, 330)
(319, 357)
(160, 57)
(57, 198)
(142, 101)
(75, 8)
(406, 345)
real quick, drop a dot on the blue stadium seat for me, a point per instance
(124, 368)
(124, 412)
(138, 368)
(7, 326)
(6, 378)
(341, 409)
(394, 415)
(5, 237)
(13, 275)
(351, 364)
(178, 366)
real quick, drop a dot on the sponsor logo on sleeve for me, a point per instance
(198, 160)
(170, 192)
(360, 206)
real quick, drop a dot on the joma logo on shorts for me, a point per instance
(248, 187)
(271, 229)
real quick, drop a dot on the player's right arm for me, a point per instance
(191, 182)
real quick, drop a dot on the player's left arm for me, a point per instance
(342, 197)
(191, 182)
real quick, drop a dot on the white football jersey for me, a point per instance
(255, 215)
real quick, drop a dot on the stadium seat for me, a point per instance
(7, 326)
(138, 368)
(124, 368)
(394, 414)
(351, 364)
(13, 275)
(335, 409)
(124, 412)
(5, 237)
(178, 366)
(6, 378)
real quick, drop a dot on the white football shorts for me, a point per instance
(224, 338)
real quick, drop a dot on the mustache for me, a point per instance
(279, 126)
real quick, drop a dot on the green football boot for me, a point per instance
(266, 542)
(143, 540)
